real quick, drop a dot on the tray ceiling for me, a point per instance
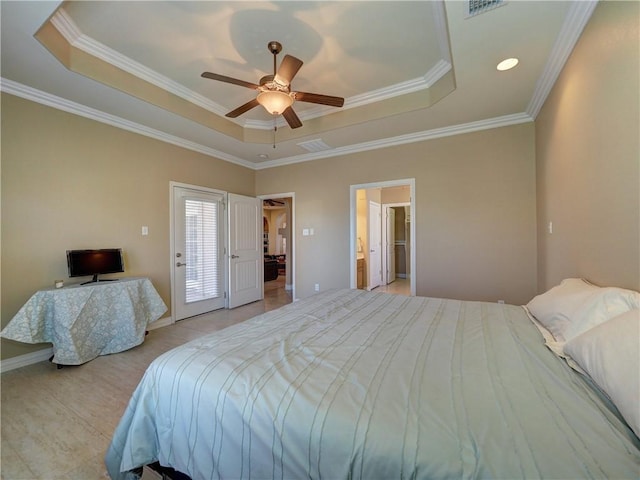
(408, 70)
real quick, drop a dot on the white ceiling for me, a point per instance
(408, 71)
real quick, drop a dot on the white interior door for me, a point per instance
(246, 258)
(391, 245)
(198, 251)
(375, 245)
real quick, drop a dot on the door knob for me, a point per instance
(235, 256)
(180, 264)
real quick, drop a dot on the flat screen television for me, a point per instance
(83, 263)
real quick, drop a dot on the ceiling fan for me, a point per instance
(272, 203)
(274, 91)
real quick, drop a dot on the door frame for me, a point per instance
(353, 224)
(291, 263)
(172, 247)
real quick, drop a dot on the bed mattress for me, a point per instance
(356, 384)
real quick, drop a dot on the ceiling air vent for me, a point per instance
(313, 146)
(476, 7)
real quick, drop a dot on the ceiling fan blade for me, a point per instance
(243, 108)
(291, 118)
(235, 81)
(288, 69)
(321, 99)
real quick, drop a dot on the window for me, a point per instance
(203, 274)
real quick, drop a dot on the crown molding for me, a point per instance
(577, 17)
(63, 22)
(38, 96)
(470, 127)
(70, 31)
(427, 80)
(34, 95)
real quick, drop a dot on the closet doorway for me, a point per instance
(278, 211)
(397, 236)
(396, 241)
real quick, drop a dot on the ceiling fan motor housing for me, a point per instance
(274, 47)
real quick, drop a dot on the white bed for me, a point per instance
(356, 384)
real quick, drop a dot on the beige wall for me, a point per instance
(396, 194)
(588, 157)
(475, 213)
(68, 182)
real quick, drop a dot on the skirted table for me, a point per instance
(86, 321)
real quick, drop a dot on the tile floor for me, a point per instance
(400, 286)
(57, 424)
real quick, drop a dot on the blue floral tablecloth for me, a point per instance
(83, 322)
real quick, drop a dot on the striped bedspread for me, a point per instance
(356, 384)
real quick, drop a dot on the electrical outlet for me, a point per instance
(317, 287)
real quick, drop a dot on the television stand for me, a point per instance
(95, 280)
(105, 319)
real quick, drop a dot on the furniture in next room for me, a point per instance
(360, 272)
(270, 269)
(85, 321)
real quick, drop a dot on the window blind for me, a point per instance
(202, 242)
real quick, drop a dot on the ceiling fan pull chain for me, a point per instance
(275, 129)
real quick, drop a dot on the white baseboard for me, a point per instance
(161, 322)
(42, 355)
(26, 359)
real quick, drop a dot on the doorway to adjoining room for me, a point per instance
(277, 211)
(382, 237)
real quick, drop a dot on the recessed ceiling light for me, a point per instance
(263, 155)
(507, 64)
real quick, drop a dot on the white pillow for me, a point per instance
(610, 354)
(555, 308)
(599, 307)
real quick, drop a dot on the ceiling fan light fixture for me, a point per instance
(274, 101)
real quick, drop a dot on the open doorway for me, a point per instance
(278, 246)
(396, 242)
(382, 257)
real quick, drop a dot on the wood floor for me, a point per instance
(57, 424)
